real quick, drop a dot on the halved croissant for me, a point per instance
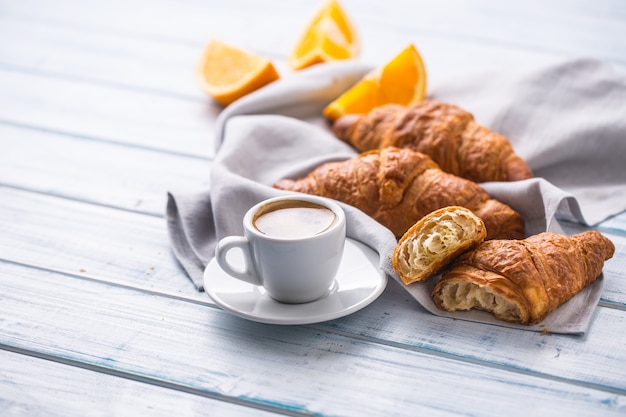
(522, 281)
(435, 240)
(398, 187)
(446, 133)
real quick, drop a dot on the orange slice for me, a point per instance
(227, 73)
(401, 81)
(329, 36)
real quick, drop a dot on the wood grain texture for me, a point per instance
(138, 243)
(244, 361)
(558, 27)
(98, 172)
(143, 262)
(102, 57)
(100, 116)
(397, 319)
(81, 42)
(55, 389)
(90, 241)
(100, 112)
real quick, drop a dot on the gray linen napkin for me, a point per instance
(566, 120)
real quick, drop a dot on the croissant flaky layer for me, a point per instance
(398, 187)
(522, 281)
(436, 240)
(448, 134)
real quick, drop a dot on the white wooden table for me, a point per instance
(100, 116)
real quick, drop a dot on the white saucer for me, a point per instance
(358, 283)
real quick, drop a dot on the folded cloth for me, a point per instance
(566, 120)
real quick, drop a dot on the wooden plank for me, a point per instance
(81, 108)
(280, 22)
(616, 224)
(110, 51)
(95, 171)
(98, 112)
(33, 223)
(298, 369)
(94, 242)
(35, 387)
(392, 344)
(507, 25)
(80, 53)
(56, 87)
(397, 319)
(139, 244)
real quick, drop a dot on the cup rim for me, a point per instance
(324, 201)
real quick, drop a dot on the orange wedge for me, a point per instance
(402, 81)
(329, 36)
(227, 73)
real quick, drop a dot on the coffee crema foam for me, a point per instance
(293, 219)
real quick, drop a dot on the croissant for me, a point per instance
(525, 280)
(446, 133)
(434, 241)
(397, 187)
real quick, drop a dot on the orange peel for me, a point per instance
(329, 36)
(227, 73)
(402, 80)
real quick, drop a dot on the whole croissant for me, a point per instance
(522, 281)
(397, 187)
(446, 133)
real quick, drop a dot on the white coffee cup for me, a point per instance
(292, 246)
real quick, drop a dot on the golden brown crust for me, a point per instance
(398, 187)
(436, 240)
(523, 281)
(448, 134)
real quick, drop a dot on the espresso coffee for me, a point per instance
(293, 219)
(292, 246)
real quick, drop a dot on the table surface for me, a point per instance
(100, 116)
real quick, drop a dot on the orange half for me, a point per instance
(401, 81)
(330, 36)
(227, 73)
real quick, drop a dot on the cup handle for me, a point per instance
(248, 273)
